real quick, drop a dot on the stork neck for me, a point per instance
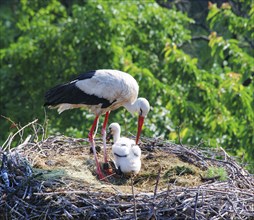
(132, 107)
(116, 135)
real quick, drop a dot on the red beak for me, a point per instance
(140, 125)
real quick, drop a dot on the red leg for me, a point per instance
(103, 132)
(91, 139)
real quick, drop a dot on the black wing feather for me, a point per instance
(87, 75)
(71, 94)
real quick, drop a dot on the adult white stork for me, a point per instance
(127, 155)
(101, 91)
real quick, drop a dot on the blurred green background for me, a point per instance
(193, 61)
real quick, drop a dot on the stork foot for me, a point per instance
(101, 176)
(107, 167)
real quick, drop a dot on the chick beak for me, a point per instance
(109, 136)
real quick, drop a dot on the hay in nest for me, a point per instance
(55, 179)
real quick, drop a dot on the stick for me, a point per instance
(156, 185)
(134, 199)
(21, 129)
(179, 136)
(196, 203)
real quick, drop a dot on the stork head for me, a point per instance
(114, 128)
(114, 131)
(143, 107)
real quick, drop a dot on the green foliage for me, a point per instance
(217, 171)
(179, 171)
(195, 87)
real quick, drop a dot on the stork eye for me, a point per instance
(140, 112)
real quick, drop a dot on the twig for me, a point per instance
(13, 124)
(21, 129)
(85, 192)
(24, 143)
(156, 185)
(134, 199)
(179, 136)
(225, 154)
(204, 179)
(201, 37)
(6, 141)
(196, 203)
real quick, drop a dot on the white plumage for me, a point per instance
(127, 155)
(116, 87)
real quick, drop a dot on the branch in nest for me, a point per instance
(212, 179)
(8, 146)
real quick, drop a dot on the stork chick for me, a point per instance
(127, 155)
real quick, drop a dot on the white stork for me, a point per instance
(127, 155)
(101, 91)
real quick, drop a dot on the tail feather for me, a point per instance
(60, 94)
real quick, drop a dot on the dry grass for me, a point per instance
(71, 158)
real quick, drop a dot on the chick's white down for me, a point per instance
(127, 155)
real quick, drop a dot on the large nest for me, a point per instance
(55, 179)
